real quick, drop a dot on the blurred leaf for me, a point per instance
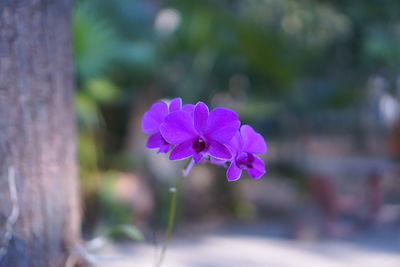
(138, 56)
(259, 109)
(94, 42)
(265, 53)
(200, 27)
(102, 90)
(126, 230)
(87, 111)
(382, 45)
(87, 152)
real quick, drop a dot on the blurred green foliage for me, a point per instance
(126, 230)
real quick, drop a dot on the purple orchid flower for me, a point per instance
(244, 145)
(152, 120)
(200, 133)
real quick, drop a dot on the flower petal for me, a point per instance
(197, 157)
(164, 148)
(200, 117)
(258, 168)
(189, 108)
(155, 141)
(219, 151)
(182, 151)
(154, 117)
(234, 172)
(218, 162)
(178, 127)
(253, 142)
(175, 104)
(222, 125)
(236, 143)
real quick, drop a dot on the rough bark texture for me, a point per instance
(37, 133)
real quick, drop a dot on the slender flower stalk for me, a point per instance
(172, 211)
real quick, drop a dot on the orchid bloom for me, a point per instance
(201, 134)
(152, 120)
(244, 145)
(214, 137)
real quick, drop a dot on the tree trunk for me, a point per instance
(39, 206)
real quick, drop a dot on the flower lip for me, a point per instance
(199, 145)
(245, 160)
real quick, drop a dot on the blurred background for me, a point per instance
(319, 79)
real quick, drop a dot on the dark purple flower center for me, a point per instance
(199, 145)
(245, 160)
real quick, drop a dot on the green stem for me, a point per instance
(172, 212)
(171, 220)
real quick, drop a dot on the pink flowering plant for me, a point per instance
(216, 137)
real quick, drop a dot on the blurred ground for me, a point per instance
(263, 245)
